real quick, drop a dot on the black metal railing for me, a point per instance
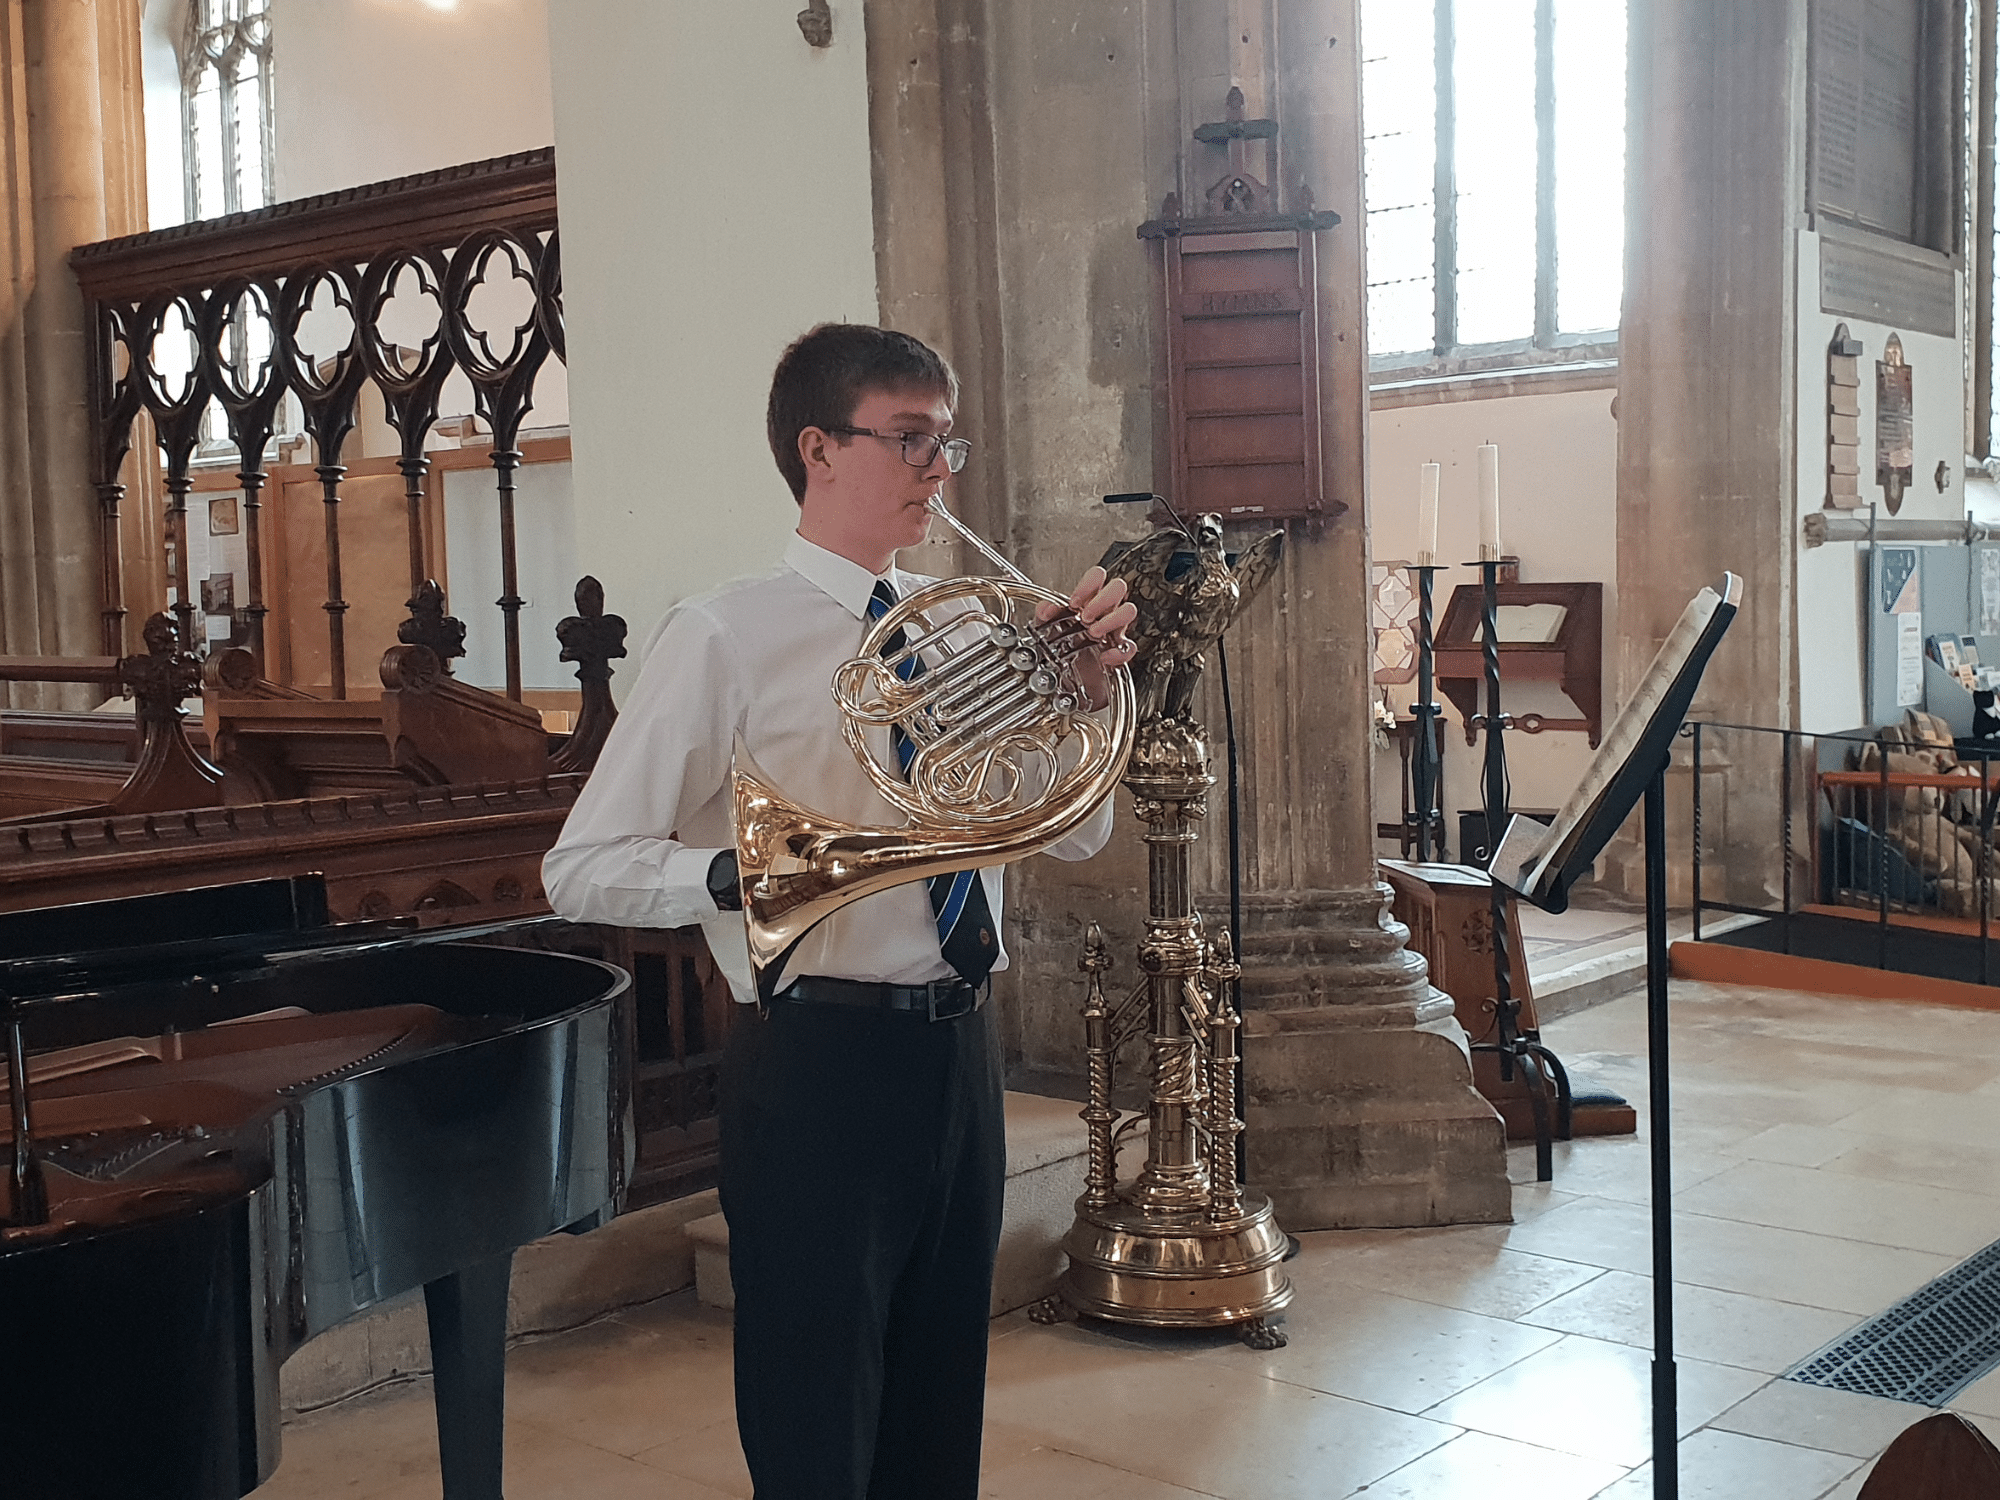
(1898, 831)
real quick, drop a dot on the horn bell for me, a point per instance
(798, 867)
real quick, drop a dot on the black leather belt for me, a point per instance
(940, 1000)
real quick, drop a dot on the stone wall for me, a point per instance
(1017, 149)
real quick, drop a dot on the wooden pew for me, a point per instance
(425, 730)
(102, 738)
(431, 851)
(36, 786)
(165, 772)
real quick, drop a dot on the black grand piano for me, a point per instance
(248, 1125)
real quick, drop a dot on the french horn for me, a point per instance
(1008, 756)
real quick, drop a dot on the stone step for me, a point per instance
(1605, 973)
(1046, 1158)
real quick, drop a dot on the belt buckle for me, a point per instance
(947, 989)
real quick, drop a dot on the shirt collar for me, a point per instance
(846, 582)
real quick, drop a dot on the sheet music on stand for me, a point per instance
(1541, 862)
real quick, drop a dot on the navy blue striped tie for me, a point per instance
(958, 898)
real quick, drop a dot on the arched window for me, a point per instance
(1495, 162)
(226, 106)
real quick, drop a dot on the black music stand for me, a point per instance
(1541, 865)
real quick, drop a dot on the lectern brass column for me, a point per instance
(1181, 1244)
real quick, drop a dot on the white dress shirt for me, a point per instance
(755, 657)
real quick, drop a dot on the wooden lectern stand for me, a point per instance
(1447, 909)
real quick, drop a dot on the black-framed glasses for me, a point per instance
(919, 448)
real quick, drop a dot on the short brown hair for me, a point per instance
(823, 376)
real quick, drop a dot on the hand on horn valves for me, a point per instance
(1100, 602)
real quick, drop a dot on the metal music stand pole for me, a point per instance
(1426, 764)
(1666, 1401)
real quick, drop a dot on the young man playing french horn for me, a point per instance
(863, 1157)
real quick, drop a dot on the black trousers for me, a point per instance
(863, 1166)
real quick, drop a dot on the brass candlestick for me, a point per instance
(1182, 1244)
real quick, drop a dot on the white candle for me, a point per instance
(1427, 515)
(1489, 502)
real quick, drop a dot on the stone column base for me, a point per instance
(1358, 1080)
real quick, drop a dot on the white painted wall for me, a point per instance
(545, 564)
(1829, 597)
(370, 89)
(705, 224)
(1558, 503)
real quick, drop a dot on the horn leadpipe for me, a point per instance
(936, 504)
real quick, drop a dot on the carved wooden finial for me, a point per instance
(429, 625)
(816, 24)
(165, 675)
(593, 640)
(169, 774)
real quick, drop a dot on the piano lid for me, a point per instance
(293, 903)
(53, 955)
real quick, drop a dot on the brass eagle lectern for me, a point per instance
(1182, 1244)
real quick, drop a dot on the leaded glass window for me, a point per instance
(226, 106)
(1495, 164)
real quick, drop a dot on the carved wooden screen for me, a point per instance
(170, 306)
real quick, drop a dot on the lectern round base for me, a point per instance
(1175, 1270)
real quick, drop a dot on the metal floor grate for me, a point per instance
(1925, 1349)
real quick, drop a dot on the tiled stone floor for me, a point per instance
(1831, 1156)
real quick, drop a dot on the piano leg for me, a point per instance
(468, 1318)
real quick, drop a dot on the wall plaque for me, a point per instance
(1242, 326)
(1866, 63)
(1843, 421)
(1895, 424)
(1882, 286)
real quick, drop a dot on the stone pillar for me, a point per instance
(1359, 1099)
(1061, 132)
(70, 128)
(1706, 396)
(1018, 144)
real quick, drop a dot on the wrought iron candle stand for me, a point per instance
(1517, 1048)
(1427, 761)
(1182, 1244)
